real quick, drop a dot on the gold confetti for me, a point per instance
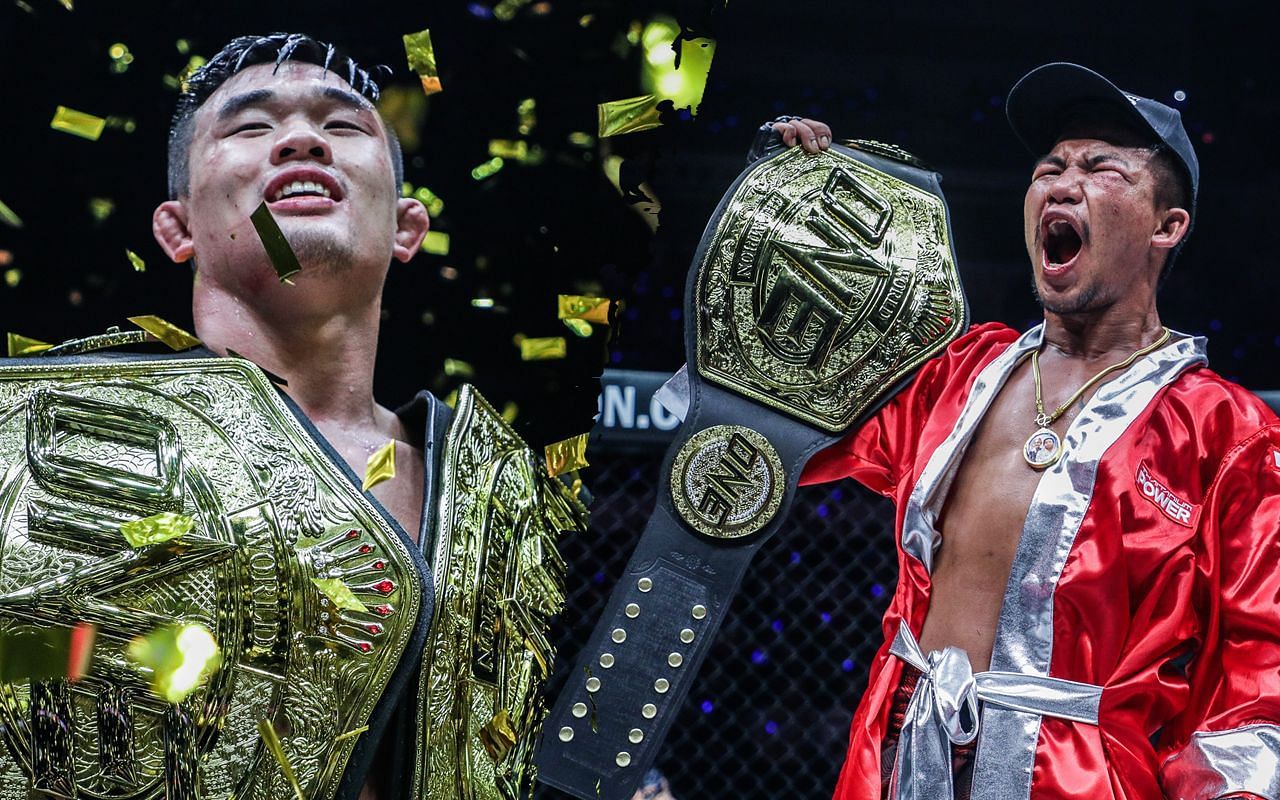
(422, 60)
(351, 734)
(9, 217)
(543, 348)
(459, 368)
(436, 243)
(482, 302)
(121, 58)
(507, 148)
(20, 345)
(527, 113)
(498, 736)
(136, 260)
(510, 411)
(567, 455)
(101, 207)
(77, 123)
(166, 331)
(585, 307)
(380, 467)
(272, 740)
(180, 658)
(581, 139)
(156, 528)
(488, 169)
(67, 5)
(339, 594)
(581, 328)
(628, 116)
(277, 247)
(435, 206)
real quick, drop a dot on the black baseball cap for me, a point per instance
(1044, 100)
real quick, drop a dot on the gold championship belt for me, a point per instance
(821, 284)
(315, 601)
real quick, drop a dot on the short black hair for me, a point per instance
(248, 51)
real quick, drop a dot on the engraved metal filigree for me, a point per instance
(84, 447)
(824, 283)
(499, 577)
(727, 481)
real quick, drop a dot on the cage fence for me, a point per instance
(769, 713)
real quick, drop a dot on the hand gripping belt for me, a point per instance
(821, 284)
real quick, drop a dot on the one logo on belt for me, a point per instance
(1174, 507)
(727, 481)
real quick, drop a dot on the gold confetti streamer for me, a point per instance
(542, 348)
(339, 594)
(422, 60)
(166, 331)
(633, 114)
(581, 328)
(436, 243)
(459, 368)
(351, 734)
(498, 736)
(517, 149)
(77, 123)
(488, 169)
(510, 411)
(577, 306)
(101, 207)
(567, 455)
(136, 260)
(156, 528)
(9, 217)
(272, 740)
(20, 345)
(180, 658)
(380, 467)
(277, 247)
(527, 113)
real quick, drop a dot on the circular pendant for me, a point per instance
(1043, 448)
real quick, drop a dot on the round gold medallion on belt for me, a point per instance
(727, 481)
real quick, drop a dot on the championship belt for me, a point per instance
(821, 283)
(87, 444)
(499, 578)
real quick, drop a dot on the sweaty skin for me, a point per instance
(1099, 308)
(261, 130)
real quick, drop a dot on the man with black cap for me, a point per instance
(1088, 517)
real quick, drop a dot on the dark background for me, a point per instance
(769, 715)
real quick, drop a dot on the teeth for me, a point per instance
(302, 187)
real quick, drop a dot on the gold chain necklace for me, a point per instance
(1043, 448)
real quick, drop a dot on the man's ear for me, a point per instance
(412, 224)
(1173, 227)
(169, 226)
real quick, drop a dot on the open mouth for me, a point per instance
(303, 186)
(301, 189)
(1062, 244)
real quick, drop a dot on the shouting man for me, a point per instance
(1088, 518)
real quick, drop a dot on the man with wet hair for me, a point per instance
(287, 120)
(1088, 518)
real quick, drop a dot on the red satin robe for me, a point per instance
(1167, 595)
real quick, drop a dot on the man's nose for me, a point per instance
(1066, 187)
(301, 142)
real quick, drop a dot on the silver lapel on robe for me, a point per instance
(920, 536)
(1024, 635)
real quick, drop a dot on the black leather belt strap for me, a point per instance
(640, 661)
